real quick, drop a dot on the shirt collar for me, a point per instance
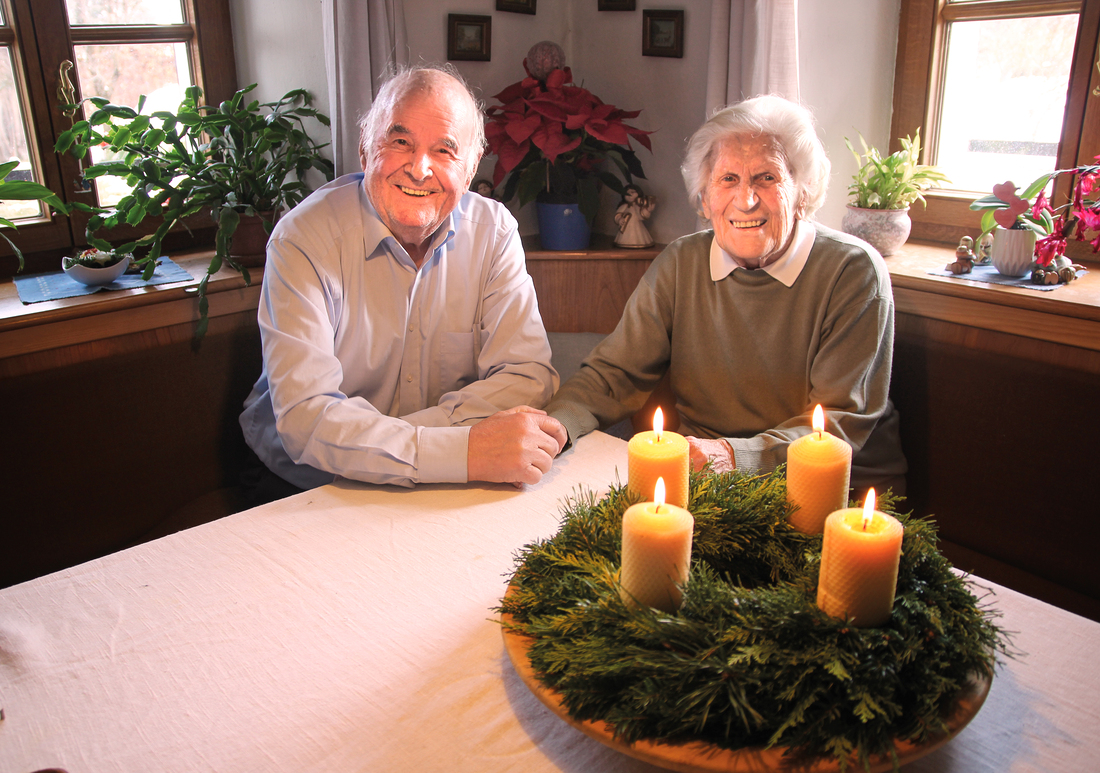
(784, 269)
(376, 233)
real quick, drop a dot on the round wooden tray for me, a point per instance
(700, 757)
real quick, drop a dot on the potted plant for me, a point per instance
(239, 159)
(882, 191)
(554, 142)
(24, 190)
(1031, 234)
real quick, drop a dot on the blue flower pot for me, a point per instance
(562, 227)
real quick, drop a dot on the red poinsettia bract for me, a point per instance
(565, 124)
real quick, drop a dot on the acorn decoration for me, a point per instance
(1060, 271)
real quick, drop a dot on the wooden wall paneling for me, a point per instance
(584, 296)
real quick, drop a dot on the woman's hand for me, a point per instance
(717, 452)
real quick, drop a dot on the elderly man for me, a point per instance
(760, 318)
(402, 341)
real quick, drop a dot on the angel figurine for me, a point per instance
(634, 208)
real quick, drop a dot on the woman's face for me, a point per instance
(750, 199)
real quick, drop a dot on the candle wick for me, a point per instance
(819, 434)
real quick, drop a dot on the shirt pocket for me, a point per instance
(457, 361)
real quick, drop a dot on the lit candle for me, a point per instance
(656, 553)
(859, 564)
(819, 466)
(658, 454)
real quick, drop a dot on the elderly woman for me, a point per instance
(758, 319)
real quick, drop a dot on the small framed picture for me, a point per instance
(663, 33)
(517, 6)
(615, 5)
(469, 38)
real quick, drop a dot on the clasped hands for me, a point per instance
(519, 445)
(514, 446)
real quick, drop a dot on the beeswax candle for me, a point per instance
(659, 454)
(819, 466)
(860, 552)
(656, 553)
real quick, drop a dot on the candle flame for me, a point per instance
(819, 421)
(659, 491)
(868, 508)
(658, 423)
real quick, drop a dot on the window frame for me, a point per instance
(918, 74)
(41, 39)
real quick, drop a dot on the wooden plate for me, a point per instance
(700, 757)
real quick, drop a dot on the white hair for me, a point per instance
(792, 127)
(404, 80)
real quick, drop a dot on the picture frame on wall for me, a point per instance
(469, 38)
(517, 6)
(615, 5)
(663, 33)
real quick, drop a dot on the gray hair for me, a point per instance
(400, 82)
(790, 124)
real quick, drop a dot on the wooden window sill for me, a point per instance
(1068, 315)
(28, 329)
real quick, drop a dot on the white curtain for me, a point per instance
(753, 51)
(362, 38)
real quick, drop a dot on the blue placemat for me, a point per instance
(992, 276)
(36, 288)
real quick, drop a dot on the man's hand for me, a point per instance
(514, 446)
(717, 452)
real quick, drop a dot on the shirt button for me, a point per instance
(408, 378)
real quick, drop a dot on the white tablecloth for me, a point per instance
(350, 628)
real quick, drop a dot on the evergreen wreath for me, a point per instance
(749, 659)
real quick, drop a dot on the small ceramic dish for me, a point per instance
(94, 277)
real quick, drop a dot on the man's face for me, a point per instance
(418, 169)
(750, 199)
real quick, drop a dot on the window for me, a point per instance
(1001, 90)
(118, 49)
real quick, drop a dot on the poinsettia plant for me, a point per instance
(554, 142)
(1032, 209)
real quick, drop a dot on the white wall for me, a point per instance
(846, 76)
(846, 64)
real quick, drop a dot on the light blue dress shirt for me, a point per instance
(374, 370)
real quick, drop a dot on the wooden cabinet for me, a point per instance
(585, 291)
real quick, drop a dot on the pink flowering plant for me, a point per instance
(554, 142)
(1031, 209)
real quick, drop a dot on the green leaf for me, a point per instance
(136, 214)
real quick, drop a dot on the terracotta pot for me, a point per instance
(249, 243)
(1013, 251)
(884, 229)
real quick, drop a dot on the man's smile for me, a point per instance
(747, 223)
(414, 191)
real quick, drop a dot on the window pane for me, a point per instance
(13, 140)
(121, 74)
(1004, 99)
(93, 12)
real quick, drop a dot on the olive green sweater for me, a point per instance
(749, 358)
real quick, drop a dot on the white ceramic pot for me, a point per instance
(1013, 251)
(884, 229)
(94, 277)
